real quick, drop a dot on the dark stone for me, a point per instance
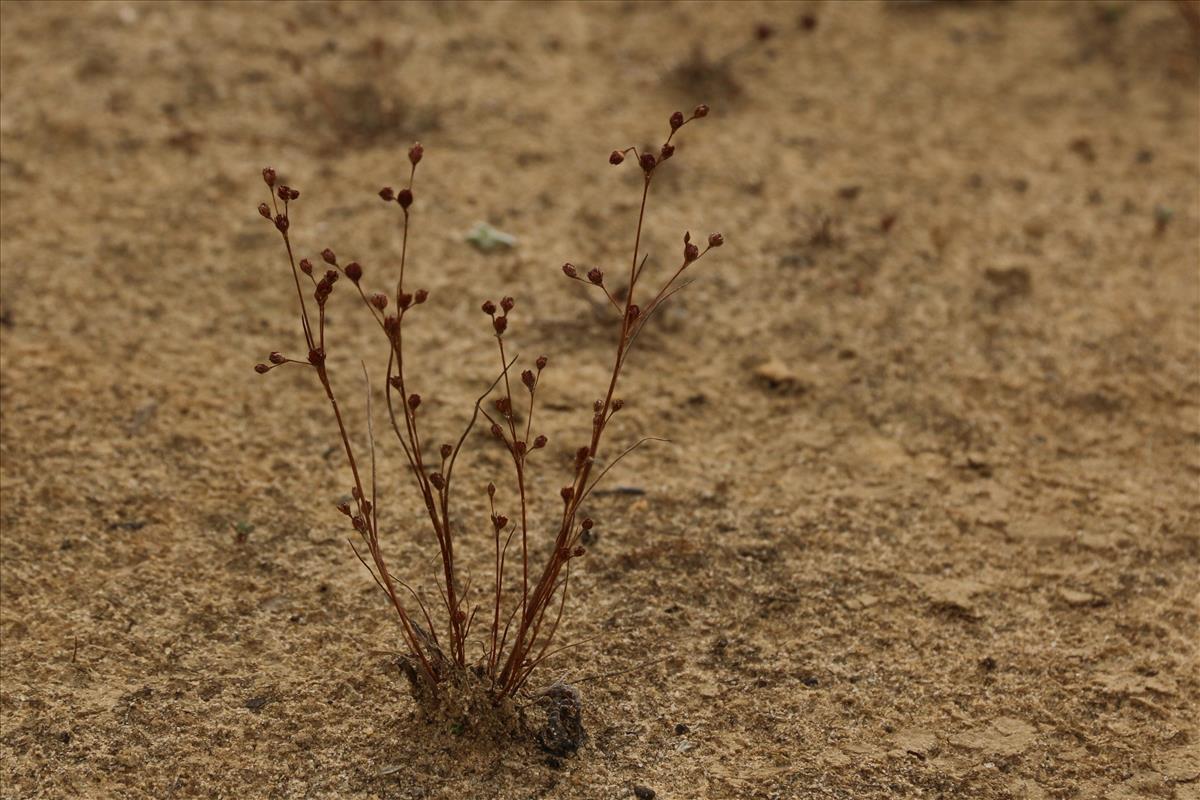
(644, 793)
(563, 732)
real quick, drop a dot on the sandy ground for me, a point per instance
(929, 523)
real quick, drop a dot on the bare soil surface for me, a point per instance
(929, 523)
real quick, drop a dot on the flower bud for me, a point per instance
(446, 450)
(414, 400)
(587, 523)
(677, 120)
(520, 447)
(316, 356)
(379, 300)
(265, 210)
(354, 271)
(500, 521)
(488, 307)
(405, 198)
(528, 379)
(276, 358)
(281, 222)
(578, 551)
(715, 240)
(306, 266)
(690, 253)
(540, 442)
(568, 268)
(496, 431)
(491, 489)
(269, 176)
(701, 111)
(329, 257)
(437, 480)
(616, 157)
(404, 300)
(500, 324)
(567, 493)
(261, 369)
(595, 276)
(648, 162)
(344, 507)
(618, 404)
(507, 304)
(421, 296)
(666, 152)
(541, 362)
(634, 312)
(415, 152)
(387, 194)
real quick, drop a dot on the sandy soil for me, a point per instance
(929, 523)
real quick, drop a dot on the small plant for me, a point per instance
(521, 608)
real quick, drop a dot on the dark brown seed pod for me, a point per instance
(677, 120)
(387, 194)
(616, 157)
(329, 257)
(405, 198)
(715, 240)
(354, 271)
(269, 176)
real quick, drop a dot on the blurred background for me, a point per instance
(928, 525)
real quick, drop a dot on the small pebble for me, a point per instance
(643, 793)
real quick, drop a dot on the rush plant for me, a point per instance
(516, 616)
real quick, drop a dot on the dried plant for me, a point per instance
(522, 608)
